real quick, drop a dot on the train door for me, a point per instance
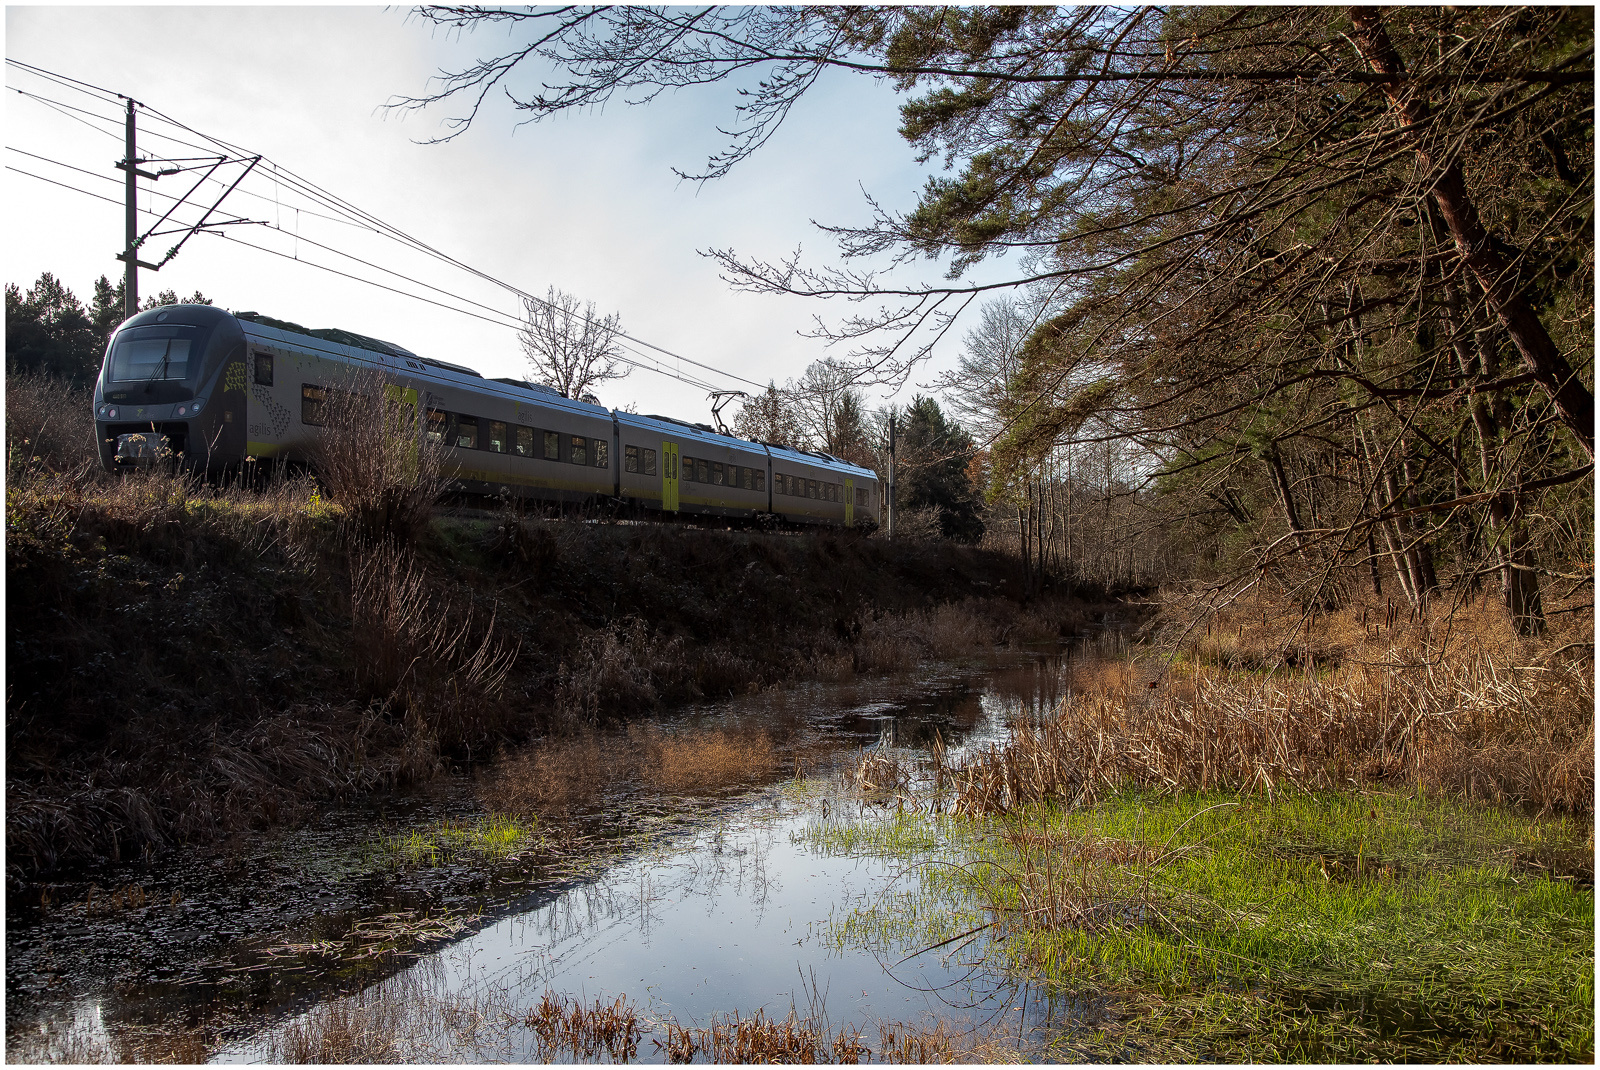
(849, 502)
(400, 414)
(669, 476)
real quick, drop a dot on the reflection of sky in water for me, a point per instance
(738, 921)
(734, 914)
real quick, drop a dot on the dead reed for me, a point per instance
(365, 1028)
(566, 1027)
(1467, 724)
(733, 1038)
(902, 1045)
(574, 773)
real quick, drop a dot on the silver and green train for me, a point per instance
(213, 389)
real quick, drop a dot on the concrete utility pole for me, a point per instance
(890, 506)
(130, 277)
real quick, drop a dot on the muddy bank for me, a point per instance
(179, 670)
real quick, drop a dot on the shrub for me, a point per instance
(376, 461)
(49, 423)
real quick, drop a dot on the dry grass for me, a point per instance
(699, 761)
(49, 424)
(419, 656)
(577, 773)
(1461, 719)
(185, 789)
(366, 1028)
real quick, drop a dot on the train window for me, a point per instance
(497, 436)
(263, 369)
(580, 449)
(702, 471)
(552, 446)
(649, 462)
(744, 478)
(464, 431)
(761, 482)
(630, 458)
(811, 489)
(524, 441)
(436, 422)
(687, 466)
(313, 404)
(602, 453)
(861, 497)
(716, 473)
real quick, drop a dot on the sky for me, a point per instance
(587, 203)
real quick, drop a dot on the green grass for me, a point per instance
(493, 838)
(1327, 927)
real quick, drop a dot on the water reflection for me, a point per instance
(705, 906)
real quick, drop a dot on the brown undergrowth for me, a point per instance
(186, 661)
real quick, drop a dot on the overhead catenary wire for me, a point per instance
(362, 219)
(494, 318)
(353, 214)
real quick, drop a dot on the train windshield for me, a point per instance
(143, 354)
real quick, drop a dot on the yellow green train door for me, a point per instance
(669, 476)
(400, 416)
(849, 502)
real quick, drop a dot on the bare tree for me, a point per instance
(569, 349)
(770, 417)
(828, 404)
(1292, 255)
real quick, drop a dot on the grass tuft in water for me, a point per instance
(492, 838)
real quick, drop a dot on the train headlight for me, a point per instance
(111, 413)
(196, 406)
(182, 410)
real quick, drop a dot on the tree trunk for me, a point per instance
(1573, 401)
(1280, 482)
(1519, 582)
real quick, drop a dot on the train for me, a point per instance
(216, 390)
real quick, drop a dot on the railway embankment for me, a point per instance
(185, 665)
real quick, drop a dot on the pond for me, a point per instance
(688, 905)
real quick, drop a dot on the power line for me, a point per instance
(362, 218)
(367, 221)
(501, 321)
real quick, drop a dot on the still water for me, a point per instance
(689, 906)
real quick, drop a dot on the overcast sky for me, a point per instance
(587, 203)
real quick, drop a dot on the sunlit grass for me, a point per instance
(493, 838)
(1323, 927)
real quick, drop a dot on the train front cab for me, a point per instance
(172, 390)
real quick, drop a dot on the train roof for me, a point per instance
(349, 344)
(684, 429)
